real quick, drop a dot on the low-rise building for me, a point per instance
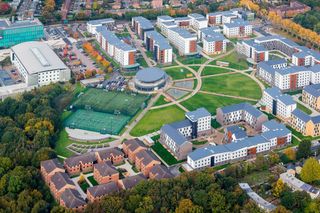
(82, 163)
(266, 69)
(113, 155)
(159, 46)
(183, 40)
(59, 183)
(50, 167)
(92, 25)
(311, 96)
(145, 161)
(157, 4)
(132, 181)
(278, 104)
(38, 64)
(198, 21)
(214, 43)
(219, 18)
(233, 133)
(132, 147)
(104, 173)
(96, 193)
(141, 25)
(160, 172)
(306, 124)
(237, 28)
(183, 22)
(242, 112)
(72, 200)
(291, 10)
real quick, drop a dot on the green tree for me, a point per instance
(304, 149)
(278, 188)
(186, 206)
(280, 209)
(310, 171)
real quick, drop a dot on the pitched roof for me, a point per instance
(108, 153)
(181, 124)
(103, 189)
(61, 179)
(144, 23)
(183, 32)
(286, 99)
(50, 165)
(159, 40)
(313, 89)
(147, 156)
(237, 131)
(105, 169)
(301, 115)
(243, 106)
(161, 172)
(198, 113)
(130, 182)
(85, 158)
(274, 92)
(273, 124)
(133, 144)
(72, 198)
(174, 134)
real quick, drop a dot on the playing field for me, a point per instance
(111, 102)
(213, 70)
(178, 73)
(104, 123)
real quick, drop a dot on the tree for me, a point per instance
(310, 171)
(278, 188)
(186, 206)
(280, 209)
(304, 149)
(313, 207)
(82, 179)
(290, 153)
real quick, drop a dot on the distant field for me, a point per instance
(213, 71)
(178, 73)
(156, 118)
(235, 84)
(192, 60)
(235, 61)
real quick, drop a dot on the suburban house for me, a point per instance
(132, 147)
(50, 167)
(145, 160)
(105, 173)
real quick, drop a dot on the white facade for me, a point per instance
(235, 31)
(214, 46)
(183, 40)
(283, 82)
(92, 25)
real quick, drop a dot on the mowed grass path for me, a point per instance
(213, 71)
(178, 73)
(210, 102)
(235, 84)
(154, 119)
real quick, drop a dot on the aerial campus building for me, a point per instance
(176, 136)
(311, 96)
(38, 64)
(122, 52)
(213, 41)
(237, 28)
(92, 25)
(306, 124)
(219, 18)
(212, 155)
(266, 69)
(141, 25)
(159, 45)
(12, 33)
(183, 40)
(242, 112)
(150, 79)
(198, 21)
(281, 105)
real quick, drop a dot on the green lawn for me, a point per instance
(304, 109)
(154, 119)
(164, 154)
(196, 142)
(161, 100)
(256, 178)
(191, 60)
(196, 68)
(93, 181)
(142, 62)
(235, 84)
(210, 102)
(235, 61)
(178, 73)
(213, 71)
(84, 186)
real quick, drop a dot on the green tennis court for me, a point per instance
(104, 123)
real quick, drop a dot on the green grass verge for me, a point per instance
(235, 61)
(142, 62)
(84, 186)
(191, 60)
(199, 142)
(213, 71)
(160, 101)
(165, 154)
(178, 73)
(304, 109)
(235, 84)
(210, 102)
(256, 177)
(196, 68)
(154, 119)
(93, 181)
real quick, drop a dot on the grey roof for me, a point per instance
(174, 134)
(103, 189)
(37, 57)
(237, 23)
(161, 172)
(277, 61)
(198, 113)
(181, 124)
(316, 119)
(169, 23)
(151, 74)
(277, 37)
(147, 156)
(266, 67)
(144, 23)
(273, 124)
(313, 89)
(101, 21)
(242, 106)
(257, 46)
(209, 30)
(286, 99)
(183, 32)
(130, 182)
(292, 69)
(108, 153)
(133, 144)
(207, 151)
(6, 24)
(84, 158)
(315, 68)
(196, 16)
(237, 131)
(105, 169)
(275, 133)
(246, 142)
(159, 40)
(185, 18)
(214, 36)
(50, 165)
(72, 198)
(113, 39)
(166, 18)
(274, 92)
(305, 51)
(61, 179)
(301, 115)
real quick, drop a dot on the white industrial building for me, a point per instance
(38, 64)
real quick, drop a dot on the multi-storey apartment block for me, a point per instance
(156, 43)
(204, 32)
(122, 52)
(214, 43)
(165, 26)
(219, 18)
(183, 40)
(306, 124)
(237, 28)
(256, 52)
(266, 69)
(92, 25)
(233, 133)
(311, 96)
(198, 21)
(183, 22)
(242, 112)
(306, 57)
(141, 25)
(279, 104)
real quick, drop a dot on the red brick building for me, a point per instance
(105, 173)
(59, 183)
(145, 160)
(50, 167)
(113, 155)
(132, 147)
(95, 193)
(82, 163)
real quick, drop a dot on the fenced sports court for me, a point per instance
(104, 123)
(111, 102)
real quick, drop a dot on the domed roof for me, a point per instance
(149, 75)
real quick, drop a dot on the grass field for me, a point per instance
(304, 109)
(178, 73)
(213, 71)
(192, 60)
(109, 102)
(196, 68)
(256, 178)
(210, 102)
(154, 119)
(161, 100)
(235, 61)
(164, 154)
(97, 121)
(235, 84)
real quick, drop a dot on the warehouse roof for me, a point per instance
(37, 57)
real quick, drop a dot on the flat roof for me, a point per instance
(37, 57)
(150, 75)
(101, 21)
